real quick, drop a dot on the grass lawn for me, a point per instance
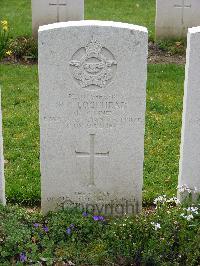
(141, 12)
(21, 131)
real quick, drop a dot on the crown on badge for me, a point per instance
(94, 47)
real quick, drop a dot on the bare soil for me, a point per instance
(157, 56)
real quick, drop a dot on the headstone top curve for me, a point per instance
(194, 30)
(92, 23)
(52, 11)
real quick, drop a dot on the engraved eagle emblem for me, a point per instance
(93, 65)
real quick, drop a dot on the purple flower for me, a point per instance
(70, 228)
(46, 228)
(98, 218)
(68, 231)
(36, 225)
(22, 257)
(85, 214)
(101, 218)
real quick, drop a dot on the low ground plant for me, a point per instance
(4, 39)
(172, 47)
(166, 234)
(24, 48)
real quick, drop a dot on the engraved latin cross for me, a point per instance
(183, 6)
(92, 154)
(58, 4)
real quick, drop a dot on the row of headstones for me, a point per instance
(173, 17)
(51, 11)
(92, 116)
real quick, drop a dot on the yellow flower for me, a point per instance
(5, 28)
(4, 23)
(9, 53)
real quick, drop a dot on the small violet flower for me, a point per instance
(70, 228)
(68, 231)
(45, 228)
(23, 257)
(85, 214)
(98, 218)
(36, 225)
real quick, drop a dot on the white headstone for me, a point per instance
(50, 11)
(189, 175)
(174, 17)
(2, 181)
(92, 115)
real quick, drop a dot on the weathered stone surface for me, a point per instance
(2, 181)
(92, 115)
(174, 17)
(189, 176)
(50, 11)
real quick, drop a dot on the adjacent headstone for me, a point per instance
(92, 115)
(51, 11)
(189, 176)
(174, 17)
(2, 181)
